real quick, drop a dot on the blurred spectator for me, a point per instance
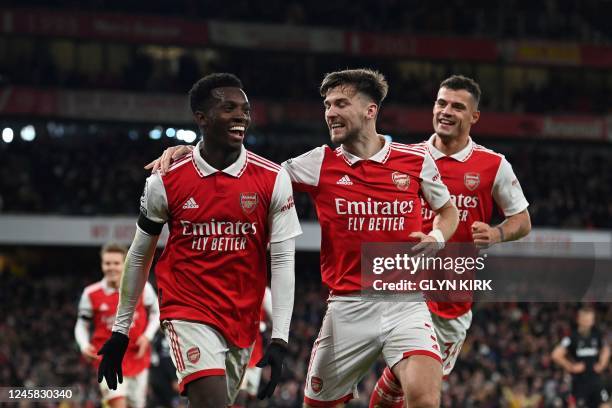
(505, 360)
(567, 184)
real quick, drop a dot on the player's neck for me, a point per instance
(217, 157)
(450, 146)
(584, 331)
(365, 145)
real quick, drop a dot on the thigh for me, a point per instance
(197, 351)
(347, 346)
(208, 392)
(451, 334)
(236, 362)
(421, 379)
(137, 389)
(409, 331)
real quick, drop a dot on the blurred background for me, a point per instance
(92, 90)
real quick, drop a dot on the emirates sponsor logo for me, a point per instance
(401, 180)
(471, 180)
(371, 207)
(214, 227)
(464, 201)
(248, 202)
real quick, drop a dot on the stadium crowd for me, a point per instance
(553, 19)
(567, 184)
(505, 361)
(413, 83)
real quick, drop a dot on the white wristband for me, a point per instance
(438, 236)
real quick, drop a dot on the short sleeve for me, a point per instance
(305, 170)
(566, 342)
(283, 218)
(432, 188)
(85, 307)
(153, 206)
(507, 191)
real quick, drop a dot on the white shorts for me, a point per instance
(133, 389)
(251, 380)
(199, 351)
(451, 334)
(353, 334)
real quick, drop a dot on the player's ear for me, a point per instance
(200, 118)
(372, 111)
(475, 117)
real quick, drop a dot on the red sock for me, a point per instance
(388, 392)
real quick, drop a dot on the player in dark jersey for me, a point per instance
(585, 355)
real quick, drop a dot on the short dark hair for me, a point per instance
(367, 81)
(199, 94)
(113, 247)
(458, 82)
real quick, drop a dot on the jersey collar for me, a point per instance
(204, 169)
(461, 155)
(106, 287)
(380, 157)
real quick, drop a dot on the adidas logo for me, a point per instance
(345, 181)
(189, 204)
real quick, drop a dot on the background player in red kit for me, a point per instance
(223, 205)
(478, 179)
(367, 190)
(97, 308)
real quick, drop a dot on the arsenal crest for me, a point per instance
(471, 180)
(401, 180)
(316, 384)
(248, 202)
(193, 355)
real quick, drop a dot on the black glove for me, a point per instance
(274, 356)
(112, 353)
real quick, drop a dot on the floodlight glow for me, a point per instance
(7, 135)
(28, 133)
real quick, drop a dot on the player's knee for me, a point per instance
(424, 399)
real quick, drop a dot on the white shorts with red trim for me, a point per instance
(451, 334)
(133, 389)
(353, 334)
(198, 350)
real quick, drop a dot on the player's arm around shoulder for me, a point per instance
(169, 156)
(305, 170)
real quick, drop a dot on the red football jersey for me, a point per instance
(357, 201)
(99, 304)
(478, 179)
(213, 269)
